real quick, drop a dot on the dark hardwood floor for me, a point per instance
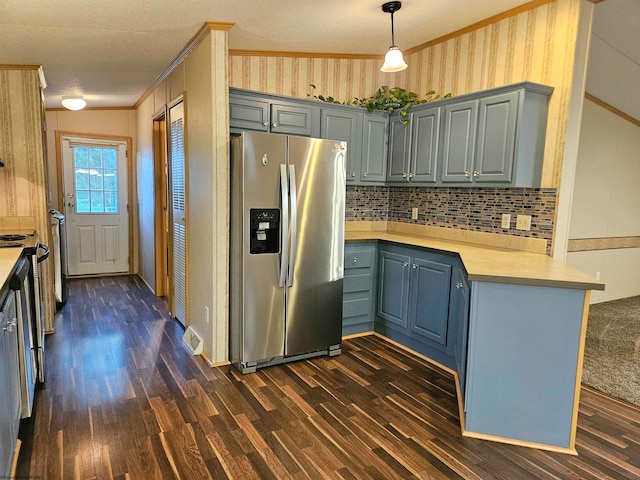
(124, 399)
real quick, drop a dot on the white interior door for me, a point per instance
(95, 197)
(179, 212)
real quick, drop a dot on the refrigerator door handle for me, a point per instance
(284, 242)
(293, 192)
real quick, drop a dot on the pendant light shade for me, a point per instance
(393, 60)
(74, 103)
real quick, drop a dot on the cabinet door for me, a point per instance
(425, 135)
(291, 119)
(375, 148)
(459, 142)
(459, 320)
(399, 139)
(248, 114)
(10, 381)
(344, 126)
(496, 138)
(358, 289)
(429, 301)
(393, 287)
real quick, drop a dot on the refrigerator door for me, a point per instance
(314, 297)
(257, 301)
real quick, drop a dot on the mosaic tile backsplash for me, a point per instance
(478, 209)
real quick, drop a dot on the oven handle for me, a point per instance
(45, 255)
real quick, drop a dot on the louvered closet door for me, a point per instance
(178, 203)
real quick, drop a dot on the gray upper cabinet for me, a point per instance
(260, 113)
(339, 124)
(490, 138)
(458, 147)
(374, 148)
(496, 137)
(399, 148)
(425, 143)
(414, 147)
(248, 114)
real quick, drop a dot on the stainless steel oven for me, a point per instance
(21, 285)
(36, 253)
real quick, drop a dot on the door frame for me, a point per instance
(161, 214)
(60, 178)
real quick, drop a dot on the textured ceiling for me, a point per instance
(110, 52)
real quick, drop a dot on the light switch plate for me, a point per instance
(414, 213)
(506, 221)
(523, 222)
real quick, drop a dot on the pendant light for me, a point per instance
(393, 60)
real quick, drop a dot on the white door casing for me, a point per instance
(178, 211)
(95, 205)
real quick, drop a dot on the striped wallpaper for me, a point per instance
(23, 178)
(535, 45)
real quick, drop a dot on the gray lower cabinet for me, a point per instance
(414, 301)
(459, 302)
(263, 115)
(358, 288)
(9, 379)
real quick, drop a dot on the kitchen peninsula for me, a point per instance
(512, 331)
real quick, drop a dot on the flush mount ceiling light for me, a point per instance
(74, 103)
(393, 60)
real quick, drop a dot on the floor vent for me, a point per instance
(193, 341)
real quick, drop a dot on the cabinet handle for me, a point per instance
(265, 124)
(476, 173)
(353, 174)
(459, 284)
(364, 175)
(467, 174)
(414, 266)
(274, 125)
(411, 175)
(10, 324)
(404, 175)
(405, 264)
(355, 260)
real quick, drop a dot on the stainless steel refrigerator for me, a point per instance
(287, 245)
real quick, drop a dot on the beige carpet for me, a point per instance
(612, 349)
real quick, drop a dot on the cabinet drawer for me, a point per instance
(355, 308)
(358, 259)
(356, 283)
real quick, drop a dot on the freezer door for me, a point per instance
(314, 297)
(257, 301)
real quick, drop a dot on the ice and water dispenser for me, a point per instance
(264, 225)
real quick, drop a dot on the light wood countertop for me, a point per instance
(491, 264)
(8, 259)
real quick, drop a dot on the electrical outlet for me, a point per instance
(523, 222)
(206, 314)
(414, 213)
(506, 221)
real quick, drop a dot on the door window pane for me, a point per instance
(96, 179)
